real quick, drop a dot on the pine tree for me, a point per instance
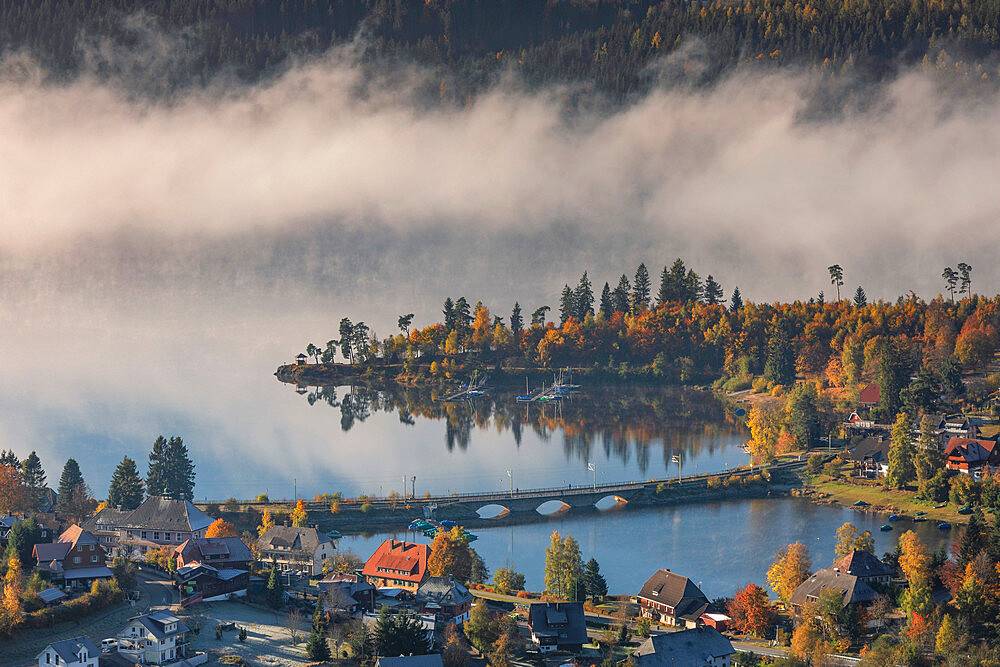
(901, 454)
(567, 305)
(663, 294)
(317, 648)
(9, 459)
(34, 478)
(594, 581)
(126, 487)
(274, 593)
(71, 478)
(712, 292)
(156, 476)
(449, 314)
(974, 539)
(736, 302)
(640, 290)
(692, 286)
(779, 366)
(516, 323)
(180, 470)
(860, 299)
(583, 298)
(622, 295)
(607, 303)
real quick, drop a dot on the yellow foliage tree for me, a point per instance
(914, 560)
(451, 555)
(299, 516)
(10, 603)
(790, 568)
(266, 522)
(849, 539)
(764, 432)
(220, 528)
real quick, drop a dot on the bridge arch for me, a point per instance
(493, 511)
(553, 506)
(611, 502)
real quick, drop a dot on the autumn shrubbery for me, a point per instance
(102, 594)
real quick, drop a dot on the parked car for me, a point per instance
(109, 645)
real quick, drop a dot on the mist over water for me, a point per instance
(159, 258)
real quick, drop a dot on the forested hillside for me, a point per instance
(610, 43)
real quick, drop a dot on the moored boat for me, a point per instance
(885, 528)
(944, 525)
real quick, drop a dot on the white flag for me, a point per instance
(675, 459)
(591, 466)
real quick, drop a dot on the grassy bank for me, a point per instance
(823, 488)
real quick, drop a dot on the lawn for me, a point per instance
(889, 501)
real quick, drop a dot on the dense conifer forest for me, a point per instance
(614, 45)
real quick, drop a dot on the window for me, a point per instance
(93, 559)
(143, 534)
(156, 536)
(166, 536)
(48, 658)
(91, 547)
(76, 559)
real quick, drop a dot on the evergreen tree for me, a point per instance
(640, 290)
(180, 471)
(593, 580)
(126, 487)
(34, 478)
(607, 302)
(860, 299)
(21, 541)
(622, 295)
(274, 593)
(516, 323)
(399, 634)
(449, 314)
(821, 298)
(9, 459)
(567, 305)
(736, 302)
(71, 478)
(538, 317)
(893, 376)
(663, 294)
(779, 366)
(974, 540)
(583, 298)
(317, 648)
(156, 475)
(712, 292)
(692, 286)
(463, 315)
(346, 330)
(901, 454)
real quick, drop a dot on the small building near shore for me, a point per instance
(697, 647)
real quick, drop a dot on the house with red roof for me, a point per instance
(75, 558)
(398, 564)
(971, 455)
(870, 396)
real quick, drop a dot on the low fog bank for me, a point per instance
(321, 187)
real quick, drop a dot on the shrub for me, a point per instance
(366, 507)
(523, 594)
(815, 463)
(714, 483)
(759, 385)
(778, 390)
(262, 498)
(231, 505)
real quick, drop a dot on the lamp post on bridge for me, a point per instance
(593, 467)
(510, 473)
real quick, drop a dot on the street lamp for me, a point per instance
(593, 467)
(510, 473)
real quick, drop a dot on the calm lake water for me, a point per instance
(722, 545)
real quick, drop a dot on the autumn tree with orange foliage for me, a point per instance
(221, 528)
(14, 496)
(751, 610)
(790, 568)
(452, 555)
(10, 602)
(266, 523)
(299, 515)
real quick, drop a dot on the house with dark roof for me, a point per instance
(76, 652)
(104, 525)
(448, 600)
(865, 566)
(201, 582)
(695, 647)
(971, 456)
(224, 552)
(159, 638)
(398, 564)
(75, 558)
(557, 626)
(852, 589)
(350, 593)
(158, 522)
(871, 457)
(7, 524)
(670, 598)
(296, 549)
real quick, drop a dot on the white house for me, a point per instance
(159, 638)
(298, 549)
(77, 652)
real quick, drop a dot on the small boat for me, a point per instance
(885, 528)
(944, 525)
(448, 524)
(941, 506)
(430, 532)
(471, 537)
(894, 517)
(965, 510)
(919, 518)
(860, 503)
(920, 513)
(334, 534)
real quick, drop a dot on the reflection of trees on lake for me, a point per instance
(623, 423)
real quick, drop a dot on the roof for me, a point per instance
(562, 620)
(167, 514)
(45, 552)
(875, 448)
(442, 591)
(69, 649)
(432, 660)
(405, 560)
(102, 572)
(292, 538)
(107, 519)
(863, 564)
(698, 646)
(50, 595)
(870, 394)
(158, 620)
(221, 548)
(970, 450)
(76, 535)
(852, 587)
(671, 589)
